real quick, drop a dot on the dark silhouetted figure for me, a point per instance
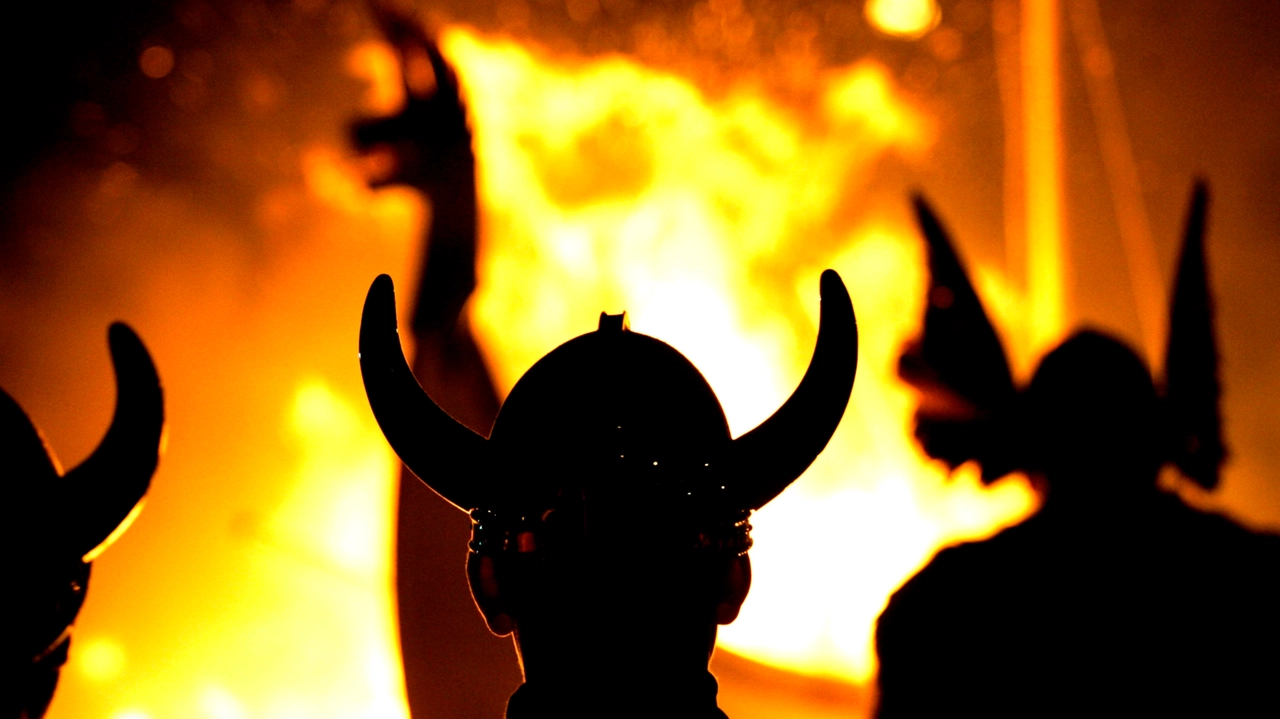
(453, 666)
(1115, 598)
(57, 523)
(609, 504)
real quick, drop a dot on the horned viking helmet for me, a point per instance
(616, 419)
(1093, 404)
(58, 523)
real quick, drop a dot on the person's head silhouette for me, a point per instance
(610, 503)
(1092, 423)
(1092, 419)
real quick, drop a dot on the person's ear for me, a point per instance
(737, 582)
(487, 592)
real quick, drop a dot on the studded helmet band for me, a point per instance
(495, 533)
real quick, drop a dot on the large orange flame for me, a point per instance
(608, 186)
(605, 185)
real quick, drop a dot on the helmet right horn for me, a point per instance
(766, 460)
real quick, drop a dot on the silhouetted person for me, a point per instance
(453, 666)
(1115, 598)
(609, 504)
(55, 524)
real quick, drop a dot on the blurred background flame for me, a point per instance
(694, 163)
(618, 187)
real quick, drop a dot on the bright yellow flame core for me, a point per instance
(337, 522)
(99, 658)
(341, 503)
(904, 18)
(610, 186)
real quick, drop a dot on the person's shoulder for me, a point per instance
(960, 580)
(1216, 531)
(966, 562)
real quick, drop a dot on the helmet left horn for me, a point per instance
(95, 502)
(446, 455)
(105, 491)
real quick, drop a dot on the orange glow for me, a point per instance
(156, 62)
(277, 599)
(904, 18)
(99, 658)
(610, 186)
(378, 66)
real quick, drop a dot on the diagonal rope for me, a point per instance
(1122, 177)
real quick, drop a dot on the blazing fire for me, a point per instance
(605, 185)
(609, 187)
(284, 572)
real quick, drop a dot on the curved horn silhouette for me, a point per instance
(105, 491)
(446, 455)
(764, 461)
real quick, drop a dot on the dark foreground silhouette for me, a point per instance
(609, 505)
(1116, 598)
(58, 523)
